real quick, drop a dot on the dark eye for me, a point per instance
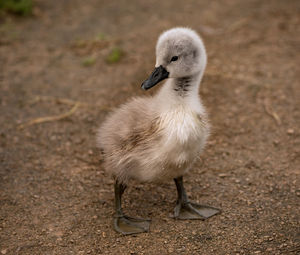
(174, 58)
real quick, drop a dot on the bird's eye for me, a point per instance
(174, 58)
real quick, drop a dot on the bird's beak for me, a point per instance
(159, 74)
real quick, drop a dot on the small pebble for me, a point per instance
(170, 250)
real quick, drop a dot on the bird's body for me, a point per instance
(152, 139)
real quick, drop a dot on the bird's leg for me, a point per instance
(122, 223)
(186, 210)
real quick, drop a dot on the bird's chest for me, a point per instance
(184, 136)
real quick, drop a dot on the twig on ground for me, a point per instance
(269, 111)
(66, 101)
(236, 25)
(69, 102)
(220, 31)
(49, 118)
(58, 100)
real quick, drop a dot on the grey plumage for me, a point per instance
(160, 137)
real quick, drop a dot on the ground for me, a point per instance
(55, 197)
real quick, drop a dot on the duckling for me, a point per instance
(158, 138)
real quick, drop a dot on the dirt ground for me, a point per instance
(55, 197)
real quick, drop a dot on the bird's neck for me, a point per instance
(185, 87)
(183, 91)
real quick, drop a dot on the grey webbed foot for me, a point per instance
(128, 226)
(186, 210)
(122, 223)
(193, 211)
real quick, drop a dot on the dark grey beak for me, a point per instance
(159, 74)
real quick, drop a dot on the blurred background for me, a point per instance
(65, 64)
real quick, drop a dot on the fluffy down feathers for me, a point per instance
(159, 138)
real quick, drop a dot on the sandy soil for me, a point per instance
(55, 197)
